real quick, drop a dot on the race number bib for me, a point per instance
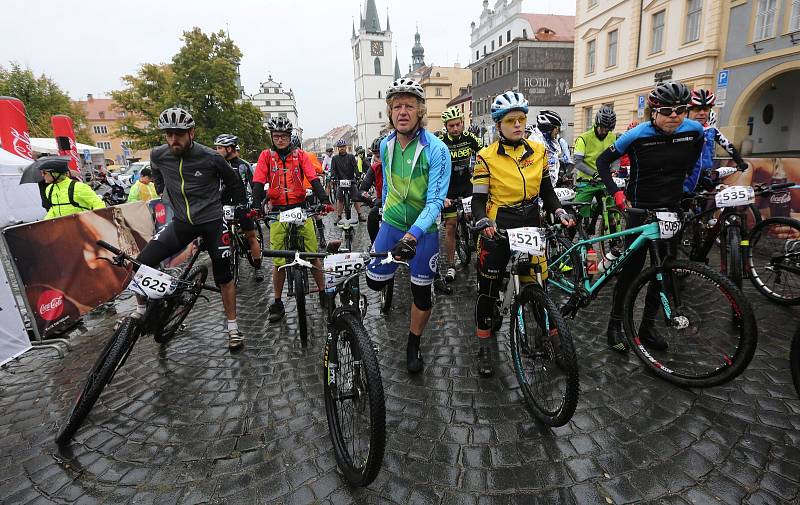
(345, 183)
(152, 283)
(565, 194)
(735, 195)
(227, 212)
(620, 182)
(338, 267)
(466, 204)
(668, 224)
(723, 172)
(293, 216)
(528, 240)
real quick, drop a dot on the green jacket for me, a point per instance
(58, 196)
(143, 192)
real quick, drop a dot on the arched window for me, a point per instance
(379, 93)
(377, 66)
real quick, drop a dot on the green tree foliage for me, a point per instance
(202, 78)
(42, 98)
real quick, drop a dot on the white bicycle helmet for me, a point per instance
(226, 140)
(175, 118)
(404, 85)
(506, 102)
(548, 119)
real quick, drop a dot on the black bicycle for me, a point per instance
(466, 239)
(239, 246)
(169, 301)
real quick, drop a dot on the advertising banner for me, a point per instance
(64, 132)
(770, 171)
(14, 338)
(14, 135)
(59, 266)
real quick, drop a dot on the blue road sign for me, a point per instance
(87, 155)
(722, 79)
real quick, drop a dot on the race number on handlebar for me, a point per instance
(153, 284)
(528, 240)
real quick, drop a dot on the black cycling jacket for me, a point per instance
(191, 182)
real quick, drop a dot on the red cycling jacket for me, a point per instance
(285, 176)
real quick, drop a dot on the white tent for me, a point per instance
(47, 145)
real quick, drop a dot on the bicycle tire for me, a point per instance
(260, 237)
(733, 255)
(111, 358)
(349, 347)
(794, 361)
(773, 259)
(234, 259)
(387, 293)
(717, 309)
(755, 214)
(616, 223)
(300, 301)
(549, 349)
(463, 249)
(180, 306)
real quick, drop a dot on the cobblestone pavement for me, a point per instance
(192, 423)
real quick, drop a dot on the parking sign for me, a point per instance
(722, 79)
(640, 106)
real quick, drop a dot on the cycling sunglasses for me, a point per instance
(667, 111)
(512, 120)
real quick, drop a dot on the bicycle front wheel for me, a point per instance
(733, 255)
(689, 324)
(111, 359)
(463, 249)
(354, 401)
(300, 301)
(544, 357)
(180, 305)
(773, 258)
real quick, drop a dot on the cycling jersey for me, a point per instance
(344, 166)
(415, 182)
(510, 176)
(589, 147)
(660, 163)
(245, 172)
(191, 182)
(285, 174)
(462, 148)
(711, 137)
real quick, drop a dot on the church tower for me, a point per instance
(372, 72)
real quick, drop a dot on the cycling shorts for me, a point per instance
(423, 265)
(279, 238)
(587, 192)
(340, 192)
(493, 256)
(451, 211)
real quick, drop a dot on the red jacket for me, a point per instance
(285, 177)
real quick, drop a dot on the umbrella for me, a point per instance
(33, 172)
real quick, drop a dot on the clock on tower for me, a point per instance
(376, 48)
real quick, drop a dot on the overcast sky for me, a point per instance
(87, 45)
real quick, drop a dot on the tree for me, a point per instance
(43, 98)
(203, 79)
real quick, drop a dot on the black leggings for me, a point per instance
(176, 235)
(374, 222)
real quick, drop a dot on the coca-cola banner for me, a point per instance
(14, 135)
(64, 132)
(772, 171)
(59, 266)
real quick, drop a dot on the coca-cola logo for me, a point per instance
(22, 143)
(50, 304)
(161, 213)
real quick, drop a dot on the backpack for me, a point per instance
(70, 196)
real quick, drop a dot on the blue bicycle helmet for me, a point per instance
(507, 102)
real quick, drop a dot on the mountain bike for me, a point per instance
(466, 241)
(169, 301)
(239, 246)
(772, 256)
(347, 225)
(294, 219)
(707, 323)
(542, 350)
(604, 217)
(354, 397)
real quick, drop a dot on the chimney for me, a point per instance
(90, 97)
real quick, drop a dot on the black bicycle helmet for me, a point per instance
(670, 93)
(547, 120)
(606, 117)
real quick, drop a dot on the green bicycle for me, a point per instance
(603, 216)
(707, 323)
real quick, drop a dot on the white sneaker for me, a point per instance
(450, 276)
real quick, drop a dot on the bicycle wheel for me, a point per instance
(707, 325)
(616, 223)
(354, 401)
(733, 255)
(463, 249)
(234, 259)
(794, 361)
(773, 259)
(387, 293)
(544, 357)
(111, 359)
(260, 237)
(179, 306)
(300, 300)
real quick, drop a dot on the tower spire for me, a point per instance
(371, 22)
(387, 20)
(396, 66)
(417, 52)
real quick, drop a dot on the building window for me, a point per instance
(106, 146)
(508, 64)
(380, 115)
(590, 56)
(100, 129)
(765, 19)
(500, 41)
(477, 55)
(485, 73)
(694, 8)
(379, 93)
(484, 50)
(267, 103)
(657, 40)
(587, 117)
(377, 66)
(493, 70)
(611, 59)
(524, 33)
(508, 36)
(282, 114)
(500, 68)
(794, 19)
(438, 91)
(493, 45)
(126, 143)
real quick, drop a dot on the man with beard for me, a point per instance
(588, 147)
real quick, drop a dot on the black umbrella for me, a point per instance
(33, 172)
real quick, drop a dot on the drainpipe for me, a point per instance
(639, 38)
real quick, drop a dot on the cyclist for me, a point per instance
(588, 147)
(463, 146)
(548, 123)
(66, 196)
(344, 166)
(663, 152)
(699, 110)
(285, 168)
(227, 147)
(509, 182)
(374, 177)
(416, 175)
(188, 176)
(326, 159)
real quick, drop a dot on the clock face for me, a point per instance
(376, 48)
